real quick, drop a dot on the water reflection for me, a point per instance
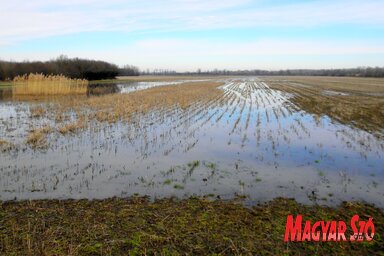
(5, 93)
(102, 89)
(136, 86)
(251, 140)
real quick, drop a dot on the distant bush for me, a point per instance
(72, 68)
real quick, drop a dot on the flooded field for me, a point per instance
(254, 138)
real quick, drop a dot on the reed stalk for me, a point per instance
(39, 84)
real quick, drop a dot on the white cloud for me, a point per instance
(181, 55)
(267, 53)
(182, 47)
(23, 20)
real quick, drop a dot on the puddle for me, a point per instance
(250, 141)
(334, 93)
(136, 86)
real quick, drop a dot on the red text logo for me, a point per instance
(328, 230)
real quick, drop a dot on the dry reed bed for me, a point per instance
(357, 101)
(41, 85)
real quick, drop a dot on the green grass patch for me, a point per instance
(194, 164)
(167, 182)
(194, 226)
(178, 186)
(210, 165)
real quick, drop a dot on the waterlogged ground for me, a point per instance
(135, 86)
(249, 141)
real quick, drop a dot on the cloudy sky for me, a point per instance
(190, 34)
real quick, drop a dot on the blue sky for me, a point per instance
(189, 34)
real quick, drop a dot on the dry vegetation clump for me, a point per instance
(41, 85)
(37, 111)
(60, 114)
(37, 138)
(72, 127)
(5, 146)
(171, 227)
(352, 101)
(68, 128)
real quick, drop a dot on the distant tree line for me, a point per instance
(163, 72)
(357, 72)
(72, 68)
(96, 70)
(129, 70)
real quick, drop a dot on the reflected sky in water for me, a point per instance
(250, 141)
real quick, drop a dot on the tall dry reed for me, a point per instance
(39, 84)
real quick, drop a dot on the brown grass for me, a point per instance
(37, 111)
(5, 146)
(72, 127)
(37, 137)
(353, 101)
(343, 84)
(41, 85)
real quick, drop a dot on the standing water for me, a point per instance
(251, 141)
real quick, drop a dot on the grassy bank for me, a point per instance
(170, 227)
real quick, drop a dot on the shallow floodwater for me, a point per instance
(251, 141)
(127, 87)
